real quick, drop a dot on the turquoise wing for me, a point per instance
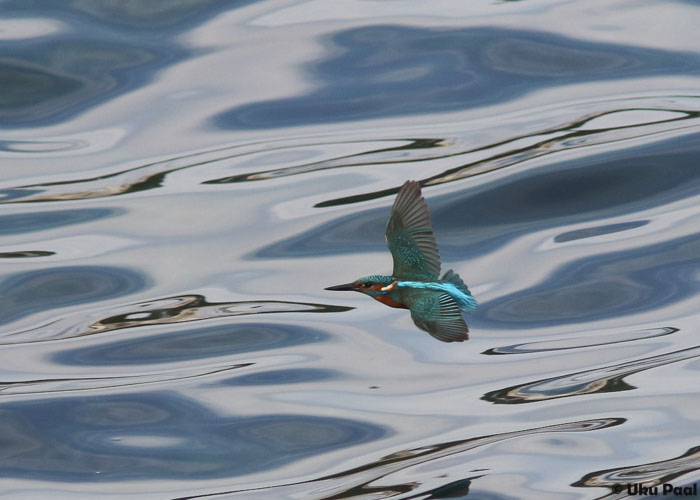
(438, 314)
(409, 236)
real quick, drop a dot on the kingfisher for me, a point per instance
(436, 304)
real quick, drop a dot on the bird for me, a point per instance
(436, 304)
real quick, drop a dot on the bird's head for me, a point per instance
(374, 286)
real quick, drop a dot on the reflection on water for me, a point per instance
(276, 377)
(55, 78)
(179, 177)
(25, 254)
(36, 291)
(648, 474)
(606, 379)
(162, 311)
(455, 489)
(191, 344)
(598, 231)
(93, 384)
(402, 460)
(159, 435)
(380, 71)
(605, 285)
(578, 342)
(41, 221)
(361, 481)
(557, 194)
(610, 127)
(69, 76)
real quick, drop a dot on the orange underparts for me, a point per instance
(386, 299)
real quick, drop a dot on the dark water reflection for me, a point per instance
(71, 75)
(555, 194)
(565, 343)
(192, 344)
(277, 377)
(44, 220)
(104, 49)
(650, 474)
(605, 379)
(379, 71)
(360, 481)
(607, 285)
(24, 254)
(592, 232)
(159, 435)
(162, 311)
(582, 133)
(37, 291)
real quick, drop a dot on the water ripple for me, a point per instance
(648, 474)
(583, 132)
(580, 342)
(599, 380)
(151, 175)
(24, 254)
(92, 58)
(383, 71)
(169, 166)
(592, 232)
(30, 222)
(605, 285)
(29, 292)
(188, 345)
(519, 149)
(357, 482)
(159, 435)
(161, 311)
(71, 384)
(282, 377)
(595, 186)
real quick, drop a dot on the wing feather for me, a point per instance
(438, 314)
(410, 238)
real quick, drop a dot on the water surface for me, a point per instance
(182, 179)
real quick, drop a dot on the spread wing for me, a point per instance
(438, 314)
(409, 236)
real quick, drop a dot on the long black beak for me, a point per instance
(345, 287)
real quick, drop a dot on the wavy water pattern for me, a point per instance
(30, 292)
(388, 70)
(606, 379)
(148, 432)
(583, 341)
(53, 386)
(161, 311)
(605, 127)
(358, 481)
(178, 177)
(648, 474)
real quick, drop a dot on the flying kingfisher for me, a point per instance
(435, 303)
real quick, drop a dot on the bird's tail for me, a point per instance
(464, 297)
(454, 278)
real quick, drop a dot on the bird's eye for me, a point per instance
(367, 284)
